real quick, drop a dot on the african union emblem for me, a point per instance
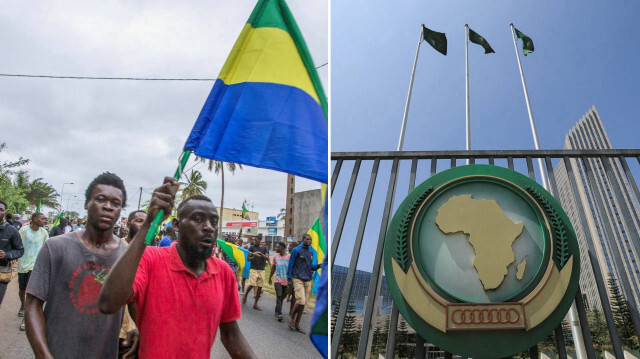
(482, 261)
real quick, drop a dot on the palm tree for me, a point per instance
(283, 214)
(218, 168)
(39, 190)
(195, 185)
(36, 190)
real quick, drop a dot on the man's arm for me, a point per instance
(234, 341)
(36, 327)
(118, 286)
(292, 260)
(273, 270)
(17, 248)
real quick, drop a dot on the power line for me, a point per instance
(115, 78)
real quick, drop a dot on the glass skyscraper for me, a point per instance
(620, 211)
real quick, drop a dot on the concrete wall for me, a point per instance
(307, 208)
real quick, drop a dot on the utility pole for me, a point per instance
(140, 198)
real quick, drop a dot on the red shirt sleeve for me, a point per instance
(232, 310)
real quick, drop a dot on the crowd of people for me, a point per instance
(94, 289)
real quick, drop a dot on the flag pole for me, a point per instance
(406, 106)
(543, 173)
(153, 230)
(466, 53)
(573, 312)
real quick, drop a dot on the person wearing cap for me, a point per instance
(279, 266)
(16, 222)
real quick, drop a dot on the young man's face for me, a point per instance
(104, 206)
(136, 223)
(280, 249)
(198, 228)
(306, 240)
(39, 221)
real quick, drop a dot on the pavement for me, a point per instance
(269, 338)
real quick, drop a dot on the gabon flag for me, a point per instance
(267, 108)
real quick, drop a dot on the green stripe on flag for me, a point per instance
(276, 13)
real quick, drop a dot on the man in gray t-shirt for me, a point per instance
(68, 276)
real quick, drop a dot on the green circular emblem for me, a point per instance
(481, 254)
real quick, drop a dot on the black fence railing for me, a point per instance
(357, 194)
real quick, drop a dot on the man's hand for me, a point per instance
(162, 199)
(270, 281)
(1, 254)
(132, 339)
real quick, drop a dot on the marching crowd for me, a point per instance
(94, 289)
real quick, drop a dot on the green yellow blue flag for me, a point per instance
(237, 254)
(318, 243)
(267, 108)
(244, 211)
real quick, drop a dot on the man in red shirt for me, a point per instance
(182, 289)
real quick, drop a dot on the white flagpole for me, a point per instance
(466, 52)
(573, 312)
(406, 106)
(543, 173)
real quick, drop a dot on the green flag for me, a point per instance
(57, 221)
(527, 43)
(244, 211)
(437, 40)
(39, 205)
(477, 39)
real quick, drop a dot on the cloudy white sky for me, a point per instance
(72, 130)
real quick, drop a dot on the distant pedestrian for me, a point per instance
(299, 274)
(68, 227)
(59, 229)
(10, 248)
(16, 221)
(259, 256)
(279, 266)
(33, 237)
(170, 236)
(245, 272)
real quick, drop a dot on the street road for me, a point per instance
(269, 338)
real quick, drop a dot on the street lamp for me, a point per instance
(62, 192)
(69, 199)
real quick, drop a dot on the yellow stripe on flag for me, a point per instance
(266, 54)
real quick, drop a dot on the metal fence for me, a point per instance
(375, 207)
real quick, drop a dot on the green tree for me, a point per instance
(39, 190)
(403, 342)
(349, 337)
(218, 168)
(195, 185)
(599, 330)
(283, 214)
(622, 315)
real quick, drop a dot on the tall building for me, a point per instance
(620, 211)
(359, 289)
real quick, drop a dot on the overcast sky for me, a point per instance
(73, 130)
(585, 55)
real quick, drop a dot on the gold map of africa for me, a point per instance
(490, 231)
